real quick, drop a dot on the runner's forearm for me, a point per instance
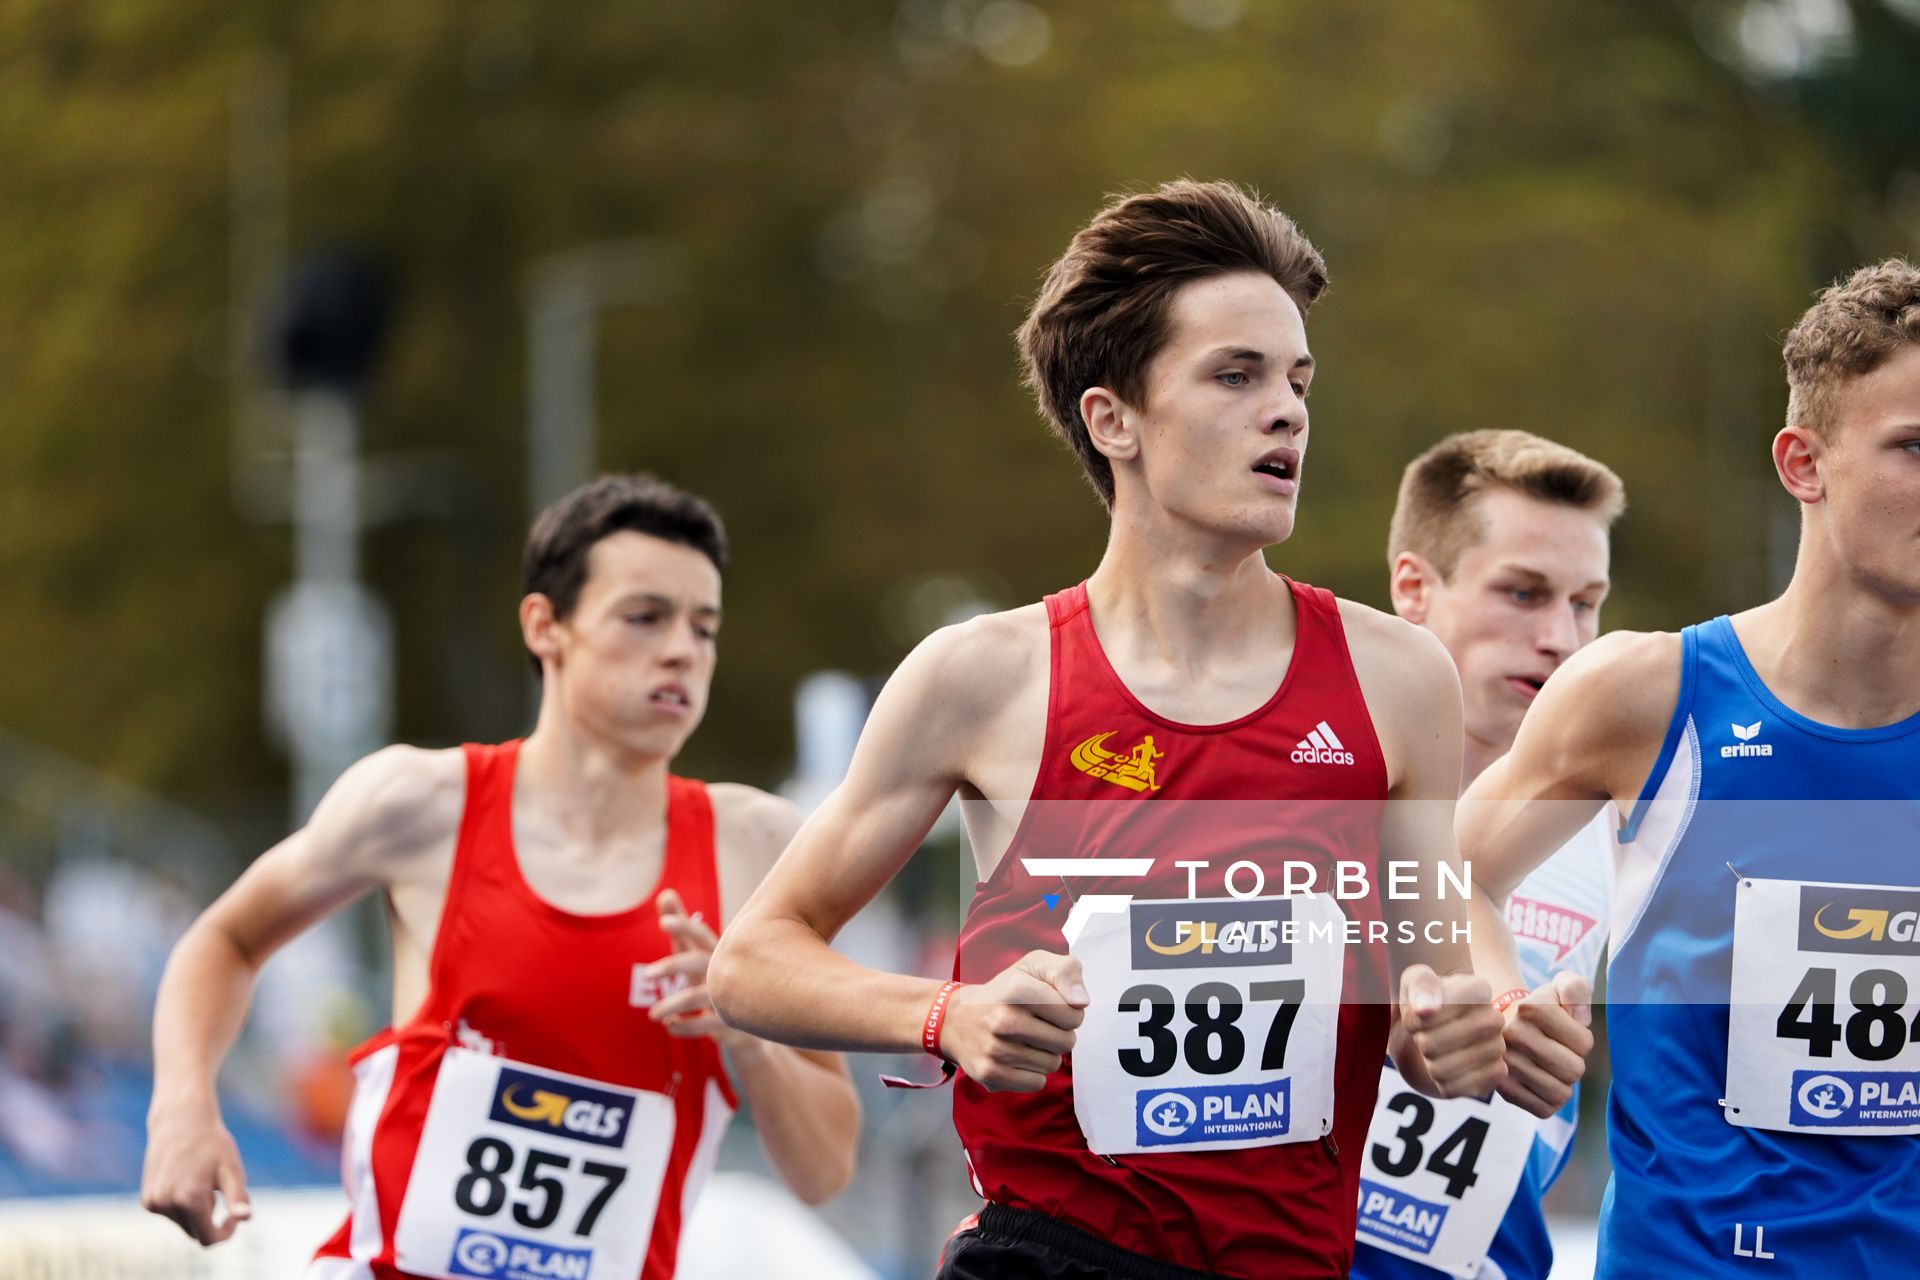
(778, 979)
(806, 1113)
(1494, 956)
(201, 1007)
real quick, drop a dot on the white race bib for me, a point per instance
(1211, 1023)
(1440, 1173)
(525, 1172)
(1823, 1035)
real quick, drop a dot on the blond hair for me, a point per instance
(1436, 516)
(1850, 328)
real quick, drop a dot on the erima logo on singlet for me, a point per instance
(1133, 770)
(567, 1108)
(1205, 935)
(1874, 921)
(1746, 746)
(1322, 746)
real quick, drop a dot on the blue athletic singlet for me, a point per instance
(1559, 916)
(1763, 992)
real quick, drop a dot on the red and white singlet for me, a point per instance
(1225, 1075)
(530, 1119)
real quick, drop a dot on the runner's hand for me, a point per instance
(688, 1012)
(1547, 1044)
(1009, 1034)
(1453, 1031)
(190, 1156)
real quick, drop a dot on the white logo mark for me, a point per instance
(1322, 746)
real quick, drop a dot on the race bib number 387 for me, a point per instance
(1824, 1029)
(1211, 1023)
(523, 1173)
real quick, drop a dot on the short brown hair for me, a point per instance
(1850, 328)
(555, 561)
(1102, 314)
(1436, 514)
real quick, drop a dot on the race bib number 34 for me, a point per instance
(1439, 1174)
(524, 1173)
(1824, 1028)
(1211, 1023)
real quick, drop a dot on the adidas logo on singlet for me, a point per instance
(1746, 746)
(1322, 746)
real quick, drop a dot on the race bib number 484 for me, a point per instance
(523, 1173)
(1211, 1023)
(1824, 1028)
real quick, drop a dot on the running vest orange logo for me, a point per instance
(1133, 770)
(577, 1110)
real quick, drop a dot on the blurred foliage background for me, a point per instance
(1591, 221)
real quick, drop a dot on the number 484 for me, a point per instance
(1877, 1030)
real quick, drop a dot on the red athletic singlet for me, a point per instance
(531, 1119)
(1310, 754)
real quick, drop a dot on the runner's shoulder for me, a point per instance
(1393, 656)
(977, 667)
(751, 822)
(751, 828)
(1618, 690)
(395, 805)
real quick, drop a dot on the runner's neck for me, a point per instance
(599, 798)
(1826, 649)
(1194, 609)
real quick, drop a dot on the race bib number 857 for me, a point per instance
(523, 1172)
(1824, 1028)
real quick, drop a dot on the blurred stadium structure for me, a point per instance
(1590, 223)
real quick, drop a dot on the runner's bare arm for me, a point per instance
(1589, 737)
(804, 1107)
(380, 815)
(776, 974)
(1446, 1040)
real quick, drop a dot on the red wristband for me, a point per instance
(937, 1018)
(1507, 998)
(930, 1041)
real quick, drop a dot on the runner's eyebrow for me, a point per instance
(1536, 577)
(657, 601)
(1252, 356)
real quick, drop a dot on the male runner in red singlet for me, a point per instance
(552, 1092)
(1210, 1117)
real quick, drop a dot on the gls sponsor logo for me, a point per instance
(1197, 935)
(1212, 1113)
(566, 1107)
(482, 1253)
(1872, 921)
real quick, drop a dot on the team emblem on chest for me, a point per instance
(1132, 770)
